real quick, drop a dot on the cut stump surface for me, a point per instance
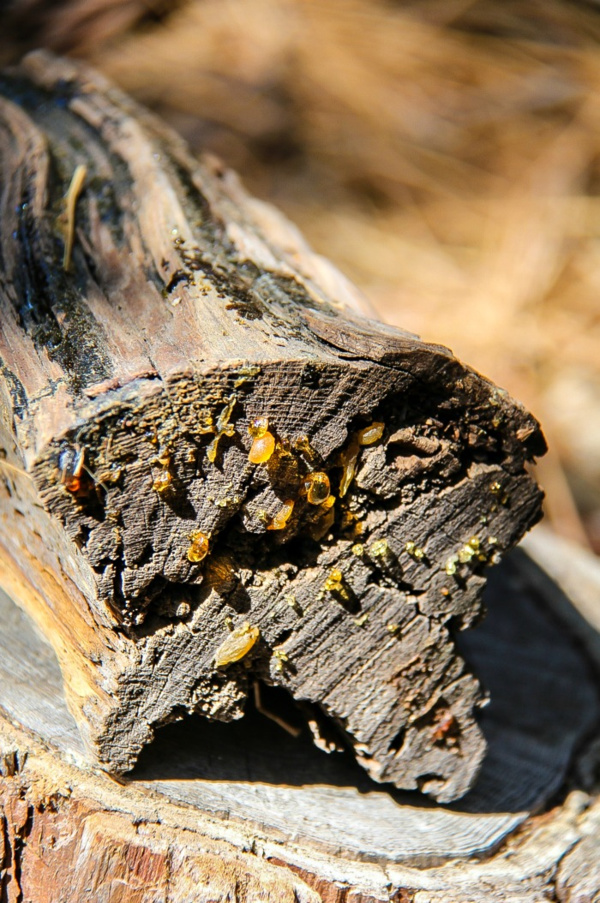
(244, 810)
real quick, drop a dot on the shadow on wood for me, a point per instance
(545, 703)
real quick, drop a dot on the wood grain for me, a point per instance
(129, 384)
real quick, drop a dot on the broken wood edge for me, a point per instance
(352, 342)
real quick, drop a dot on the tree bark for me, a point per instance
(153, 328)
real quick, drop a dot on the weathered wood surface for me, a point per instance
(240, 809)
(130, 376)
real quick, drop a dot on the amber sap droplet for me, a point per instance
(72, 484)
(326, 519)
(72, 471)
(258, 428)
(348, 459)
(317, 487)
(282, 517)
(302, 445)
(335, 585)
(263, 444)
(238, 644)
(199, 545)
(451, 566)
(164, 458)
(371, 434)
(262, 449)
(414, 550)
(334, 581)
(162, 482)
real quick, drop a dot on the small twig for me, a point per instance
(71, 198)
(290, 728)
(14, 468)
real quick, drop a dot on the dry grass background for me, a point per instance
(444, 153)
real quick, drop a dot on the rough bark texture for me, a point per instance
(298, 825)
(129, 382)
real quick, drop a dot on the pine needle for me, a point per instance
(71, 199)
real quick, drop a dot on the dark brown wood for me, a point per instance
(132, 369)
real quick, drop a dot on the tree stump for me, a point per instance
(218, 474)
(243, 811)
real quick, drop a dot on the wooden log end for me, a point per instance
(242, 478)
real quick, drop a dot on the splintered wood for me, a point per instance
(199, 425)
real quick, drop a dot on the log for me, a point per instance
(245, 812)
(219, 474)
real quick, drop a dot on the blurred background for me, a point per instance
(445, 154)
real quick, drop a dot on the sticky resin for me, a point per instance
(348, 459)
(263, 442)
(72, 474)
(282, 517)
(162, 482)
(238, 644)
(317, 487)
(371, 434)
(199, 545)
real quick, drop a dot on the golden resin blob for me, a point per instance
(317, 487)
(282, 517)
(263, 444)
(199, 545)
(238, 644)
